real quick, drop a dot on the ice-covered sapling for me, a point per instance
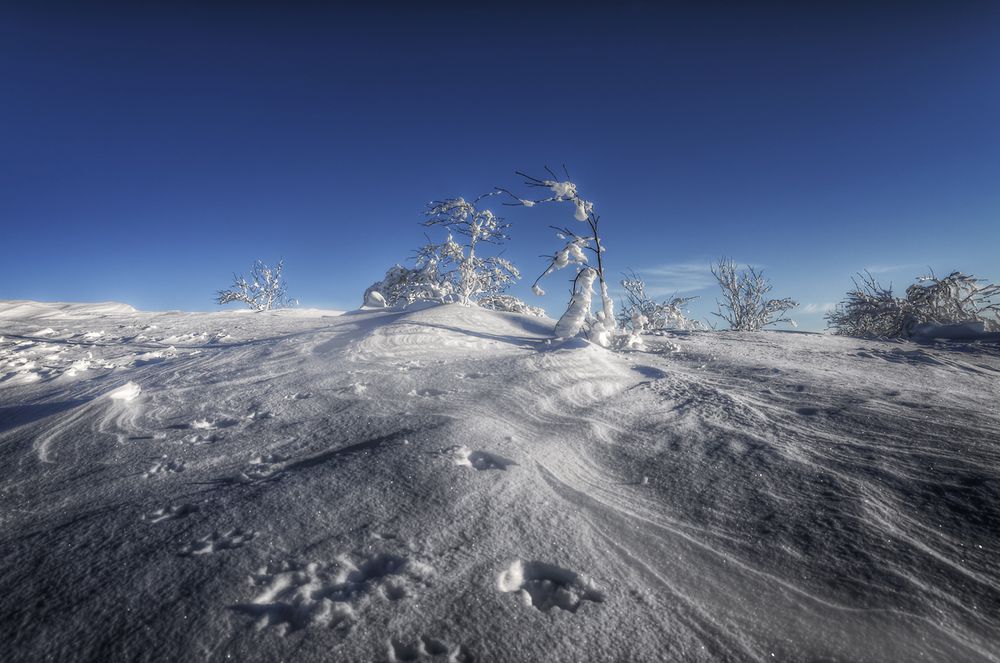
(454, 269)
(424, 282)
(578, 314)
(473, 274)
(643, 314)
(262, 291)
(744, 304)
(509, 304)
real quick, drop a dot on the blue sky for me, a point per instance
(148, 153)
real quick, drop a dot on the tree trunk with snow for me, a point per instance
(573, 319)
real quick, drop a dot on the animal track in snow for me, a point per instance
(214, 542)
(202, 438)
(165, 467)
(172, 512)
(254, 414)
(471, 376)
(264, 467)
(295, 596)
(545, 586)
(300, 595)
(481, 460)
(427, 649)
(213, 424)
(427, 393)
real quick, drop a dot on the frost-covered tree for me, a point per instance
(451, 270)
(424, 282)
(262, 291)
(872, 310)
(643, 314)
(744, 304)
(509, 304)
(473, 274)
(602, 325)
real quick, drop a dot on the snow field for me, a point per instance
(445, 483)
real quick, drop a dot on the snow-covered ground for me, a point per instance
(443, 484)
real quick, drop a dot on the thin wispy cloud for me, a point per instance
(680, 278)
(813, 308)
(888, 269)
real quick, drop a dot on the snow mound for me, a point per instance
(127, 392)
(28, 310)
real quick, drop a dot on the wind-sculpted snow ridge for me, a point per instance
(444, 483)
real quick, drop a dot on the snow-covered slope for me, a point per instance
(443, 484)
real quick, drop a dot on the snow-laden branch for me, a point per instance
(451, 270)
(262, 291)
(573, 253)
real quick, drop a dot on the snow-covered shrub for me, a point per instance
(955, 299)
(402, 285)
(871, 310)
(472, 274)
(262, 291)
(643, 314)
(451, 271)
(744, 305)
(510, 304)
(578, 316)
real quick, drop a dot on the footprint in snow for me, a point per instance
(471, 376)
(263, 467)
(213, 424)
(214, 542)
(202, 438)
(545, 586)
(164, 467)
(481, 460)
(427, 648)
(299, 595)
(427, 393)
(172, 512)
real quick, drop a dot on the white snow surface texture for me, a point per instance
(443, 484)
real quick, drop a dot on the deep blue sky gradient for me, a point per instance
(149, 152)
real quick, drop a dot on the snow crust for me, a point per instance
(445, 483)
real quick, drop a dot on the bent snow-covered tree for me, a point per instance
(578, 316)
(473, 274)
(262, 291)
(744, 304)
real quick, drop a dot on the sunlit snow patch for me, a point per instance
(126, 392)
